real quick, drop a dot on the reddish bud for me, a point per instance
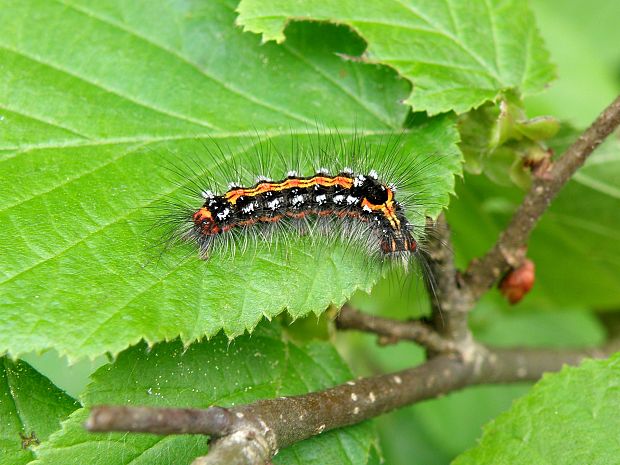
(518, 282)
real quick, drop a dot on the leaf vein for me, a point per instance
(494, 35)
(41, 120)
(97, 230)
(154, 139)
(148, 105)
(69, 180)
(227, 86)
(381, 117)
(451, 37)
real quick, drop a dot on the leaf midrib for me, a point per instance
(39, 119)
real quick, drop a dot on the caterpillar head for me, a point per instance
(205, 222)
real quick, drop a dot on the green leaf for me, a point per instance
(31, 408)
(570, 417)
(97, 101)
(499, 140)
(217, 372)
(457, 54)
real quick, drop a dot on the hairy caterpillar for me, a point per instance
(345, 195)
(363, 193)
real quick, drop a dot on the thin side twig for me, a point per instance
(392, 331)
(509, 250)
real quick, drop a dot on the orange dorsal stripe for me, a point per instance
(233, 195)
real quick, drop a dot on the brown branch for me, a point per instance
(391, 331)
(212, 421)
(251, 434)
(509, 250)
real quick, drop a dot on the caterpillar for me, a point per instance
(348, 201)
(345, 195)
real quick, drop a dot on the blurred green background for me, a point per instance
(583, 39)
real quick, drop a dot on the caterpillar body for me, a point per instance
(332, 192)
(345, 195)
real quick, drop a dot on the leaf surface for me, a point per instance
(568, 417)
(456, 54)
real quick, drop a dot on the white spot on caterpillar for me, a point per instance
(297, 200)
(320, 199)
(359, 180)
(356, 410)
(371, 396)
(207, 195)
(292, 174)
(351, 200)
(367, 209)
(373, 174)
(393, 187)
(224, 214)
(274, 204)
(262, 179)
(397, 379)
(322, 171)
(320, 429)
(347, 170)
(338, 198)
(351, 383)
(233, 185)
(353, 396)
(248, 208)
